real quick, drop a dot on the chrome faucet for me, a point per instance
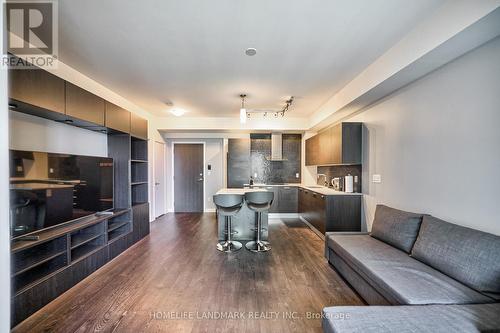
(325, 183)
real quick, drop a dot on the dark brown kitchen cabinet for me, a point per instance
(324, 142)
(275, 205)
(117, 118)
(317, 211)
(38, 88)
(330, 213)
(340, 144)
(138, 126)
(238, 162)
(312, 150)
(287, 199)
(84, 105)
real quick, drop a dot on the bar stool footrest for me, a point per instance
(228, 247)
(261, 246)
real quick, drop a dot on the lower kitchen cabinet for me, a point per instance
(288, 199)
(275, 205)
(330, 213)
(285, 199)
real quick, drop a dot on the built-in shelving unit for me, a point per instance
(139, 170)
(119, 226)
(55, 249)
(33, 263)
(86, 241)
(63, 255)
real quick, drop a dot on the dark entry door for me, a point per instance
(188, 177)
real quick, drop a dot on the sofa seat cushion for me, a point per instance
(402, 319)
(467, 255)
(396, 227)
(400, 278)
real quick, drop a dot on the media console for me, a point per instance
(55, 259)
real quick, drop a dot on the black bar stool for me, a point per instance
(259, 202)
(228, 205)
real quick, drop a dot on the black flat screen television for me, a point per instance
(48, 189)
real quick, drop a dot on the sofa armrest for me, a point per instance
(327, 256)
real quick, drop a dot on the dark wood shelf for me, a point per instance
(49, 234)
(31, 256)
(119, 232)
(137, 183)
(38, 273)
(39, 261)
(86, 250)
(82, 239)
(138, 149)
(116, 225)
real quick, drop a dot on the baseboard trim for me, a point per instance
(316, 231)
(283, 215)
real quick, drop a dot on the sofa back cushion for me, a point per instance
(396, 227)
(467, 255)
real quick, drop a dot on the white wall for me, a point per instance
(214, 155)
(33, 133)
(436, 144)
(4, 202)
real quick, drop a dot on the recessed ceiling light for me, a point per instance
(177, 112)
(251, 51)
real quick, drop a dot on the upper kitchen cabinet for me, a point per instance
(138, 126)
(238, 162)
(117, 118)
(312, 150)
(84, 105)
(38, 88)
(340, 144)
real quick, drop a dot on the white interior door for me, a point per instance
(159, 178)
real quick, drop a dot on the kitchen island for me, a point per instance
(244, 222)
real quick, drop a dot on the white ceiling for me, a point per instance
(191, 52)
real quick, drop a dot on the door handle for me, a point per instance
(157, 184)
(200, 180)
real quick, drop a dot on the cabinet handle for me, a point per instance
(314, 195)
(306, 192)
(322, 197)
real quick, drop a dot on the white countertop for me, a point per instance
(238, 190)
(326, 191)
(314, 188)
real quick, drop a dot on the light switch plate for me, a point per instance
(297, 175)
(377, 178)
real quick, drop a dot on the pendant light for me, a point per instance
(243, 111)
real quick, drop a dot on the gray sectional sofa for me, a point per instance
(421, 273)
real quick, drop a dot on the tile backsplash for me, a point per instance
(341, 171)
(275, 172)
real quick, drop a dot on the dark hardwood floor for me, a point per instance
(174, 278)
